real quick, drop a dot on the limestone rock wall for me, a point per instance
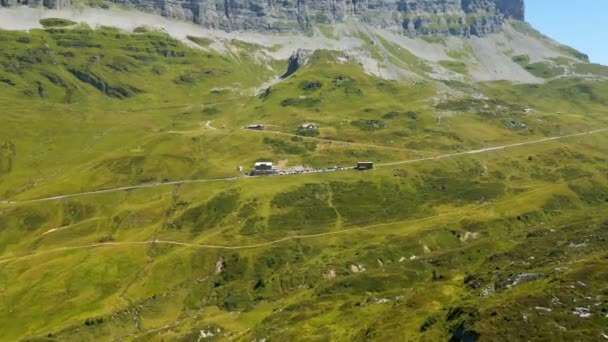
(432, 17)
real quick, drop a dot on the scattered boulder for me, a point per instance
(512, 281)
(490, 290)
(219, 266)
(582, 312)
(357, 268)
(330, 274)
(512, 124)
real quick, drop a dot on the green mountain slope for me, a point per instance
(123, 215)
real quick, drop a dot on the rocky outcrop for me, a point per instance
(297, 59)
(434, 17)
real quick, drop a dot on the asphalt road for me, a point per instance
(410, 161)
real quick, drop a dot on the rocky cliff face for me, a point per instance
(36, 3)
(436, 17)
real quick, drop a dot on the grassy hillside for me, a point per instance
(106, 101)
(506, 244)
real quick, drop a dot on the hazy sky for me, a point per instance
(581, 24)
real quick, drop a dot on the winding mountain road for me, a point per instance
(496, 148)
(123, 188)
(410, 161)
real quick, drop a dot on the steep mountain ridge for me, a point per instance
(434, 17)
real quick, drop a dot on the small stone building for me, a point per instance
(308, 126)
(264, 168)
(365, 166)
